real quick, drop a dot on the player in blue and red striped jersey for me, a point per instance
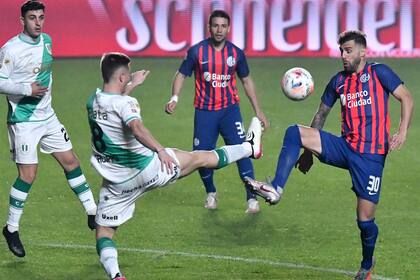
(363, 89)
(216, 62)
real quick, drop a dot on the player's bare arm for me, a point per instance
(320, 116)
(402, 94)
(177, 85)
(144, 136)
(306, 161)
(249, 88)
(137, 78)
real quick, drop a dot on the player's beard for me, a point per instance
(352, 67)
(219, 42)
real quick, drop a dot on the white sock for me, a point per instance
(17, 198)
(237, 152)
(109, 260)
(77, 182)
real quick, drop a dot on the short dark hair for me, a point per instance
(358, 36)
(112, 61)
(219, 13)
(31, 5)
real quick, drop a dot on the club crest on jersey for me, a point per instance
(207, 76)
(230, 61)
(364, 78)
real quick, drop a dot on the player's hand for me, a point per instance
(137, 78)
(264, 122)
(167, 162)
(170, 106)
(38, 91)
(396, 141)
(305, 162)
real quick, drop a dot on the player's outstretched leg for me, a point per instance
(80, 187)
(18, 195)
(223, 156)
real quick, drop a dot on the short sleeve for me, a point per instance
(389, 80)
(187, 66)
(242, 68)
(329, 97)
(129, 109)
(6, 64)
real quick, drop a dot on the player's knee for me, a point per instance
(27, 175)
(70, 162)
(293, 134)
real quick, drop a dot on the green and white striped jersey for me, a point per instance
(117, 155)
(22, 62)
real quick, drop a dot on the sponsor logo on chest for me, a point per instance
(356, 99)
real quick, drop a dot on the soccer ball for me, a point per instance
(297, 83)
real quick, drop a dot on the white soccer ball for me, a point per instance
(297, 83)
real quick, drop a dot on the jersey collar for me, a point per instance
(29, 40)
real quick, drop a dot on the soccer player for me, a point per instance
(215, 61)
(26, 79)
(132, 162)
(363, 89)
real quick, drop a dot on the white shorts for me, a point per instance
(117, 201)
(24, 138)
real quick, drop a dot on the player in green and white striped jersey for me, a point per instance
(26, 79)
(132, 162)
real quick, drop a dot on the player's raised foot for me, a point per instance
(13, 241)
(253, 137)
(365, 274)
(119, 277)
(253, 206)
(211, 201)
(264, 189)
(91, 222)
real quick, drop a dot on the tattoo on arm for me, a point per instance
(321, 115)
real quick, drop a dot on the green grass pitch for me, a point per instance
(311, 234)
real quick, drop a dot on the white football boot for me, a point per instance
(253, 137)
(265, 190)
(253, 206)
(211, 201)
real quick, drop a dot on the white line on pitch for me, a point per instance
(219, 257)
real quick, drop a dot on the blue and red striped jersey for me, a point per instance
(364, 106)
(214, 71)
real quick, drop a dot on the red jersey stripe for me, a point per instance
(218, 90)
(373, 108)
(200, 86)
(353, 114)
(362, 115)
(381, 115)
(235, 97)
(211, 70)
